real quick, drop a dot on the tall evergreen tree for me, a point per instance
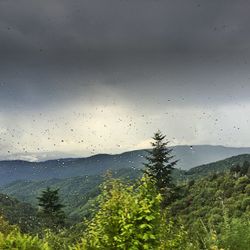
(160, 163)
(51, 208)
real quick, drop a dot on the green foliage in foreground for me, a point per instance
(130, 217)
(211, 213)
(16, 240)
(11, 238)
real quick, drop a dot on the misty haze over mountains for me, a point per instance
(188, 156)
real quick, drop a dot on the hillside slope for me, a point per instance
(217, 167)
(77, 192)
(19, 213)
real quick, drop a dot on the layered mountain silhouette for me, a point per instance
(189, 157)
(78, 192)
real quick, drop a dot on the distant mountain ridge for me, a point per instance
(77, 193)
(189, 156)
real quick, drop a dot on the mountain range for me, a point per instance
(188, 156)
(78, 193)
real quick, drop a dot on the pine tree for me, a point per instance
(160, 163)
(51, 208)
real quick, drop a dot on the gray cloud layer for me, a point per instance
(81, 25)
(57, 43)
(134, 57)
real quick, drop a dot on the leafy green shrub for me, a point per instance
(130, 217)
(247, 189)
(18, 241)
(5, 227)
(245, 203)
(236, 235)
(60, 240)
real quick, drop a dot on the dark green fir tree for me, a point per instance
(160, 164)
(51, 209)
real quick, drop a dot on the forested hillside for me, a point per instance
(19, 213)
(206, 207)
(77, 192)
(211, 211)
(219, 166)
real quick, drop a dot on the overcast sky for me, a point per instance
(101, 76)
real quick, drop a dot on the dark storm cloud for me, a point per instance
(52, 49)
(73, 26)
(111, 71)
